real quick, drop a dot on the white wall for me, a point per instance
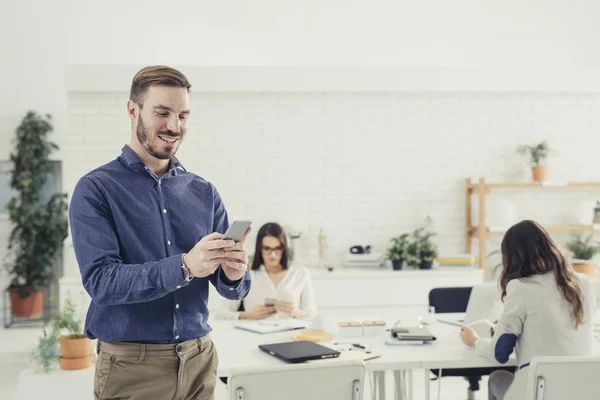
(41, 37)
(364, 166)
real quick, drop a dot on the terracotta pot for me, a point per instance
(31, 306)
(72, 364)
(75, 353)
(586, 268)
(539, 173)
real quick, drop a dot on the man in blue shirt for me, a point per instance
(148, 239)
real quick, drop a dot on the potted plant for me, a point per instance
(429, 252)
(64, 342)
(396, 252)
(38, 227)
(413, 253)
(583, 250)
(538, 154)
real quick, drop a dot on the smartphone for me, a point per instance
(270, 302)
(237, 230)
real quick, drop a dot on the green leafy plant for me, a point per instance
(39, 228)
(582, 247)
(398, 248)
(538, 153)
(46, 354)
(429, 251)
(421, 248)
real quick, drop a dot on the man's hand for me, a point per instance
(258, 312)
(206, 256)
(236, 259)
(468, 335)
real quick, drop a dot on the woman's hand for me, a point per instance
(258, 312)
(468, 336)
(285, 307)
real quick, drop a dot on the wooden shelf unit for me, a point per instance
(483, 189)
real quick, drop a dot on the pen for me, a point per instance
(357, 345)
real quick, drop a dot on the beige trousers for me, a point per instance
(135, 371)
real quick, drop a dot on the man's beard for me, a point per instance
(144, 137)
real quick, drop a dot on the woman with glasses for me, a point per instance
(278, 289)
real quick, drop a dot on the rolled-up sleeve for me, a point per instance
(105, 277)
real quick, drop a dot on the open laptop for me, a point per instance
(299, 351)
(272, 325)
(484, 304)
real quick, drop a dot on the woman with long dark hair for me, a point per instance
(548, 309)
(278, 289)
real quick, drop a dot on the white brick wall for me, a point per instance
(363, 167)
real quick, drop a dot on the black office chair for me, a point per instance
(455, 300)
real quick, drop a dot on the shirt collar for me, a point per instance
(132, 159)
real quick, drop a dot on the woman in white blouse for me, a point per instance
(278, 289)
(548, 309)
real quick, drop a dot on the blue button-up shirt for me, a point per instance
(130, 230)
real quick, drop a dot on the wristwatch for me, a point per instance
(186, 271)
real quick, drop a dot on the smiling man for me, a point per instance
(148, 239)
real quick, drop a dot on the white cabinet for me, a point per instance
(347, 289)
(343, 290)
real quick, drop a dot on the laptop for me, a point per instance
(484, 304)
(272, 326)
(299, 351)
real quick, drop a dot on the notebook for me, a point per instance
(299, 351)
(418, 333)
(272, 326)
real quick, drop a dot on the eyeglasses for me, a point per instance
(269, 250)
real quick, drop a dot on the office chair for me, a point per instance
(455, 300)
(323, 379)
(558, 378)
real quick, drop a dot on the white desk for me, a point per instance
(239, 349)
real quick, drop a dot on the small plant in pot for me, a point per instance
(538, 153)
(39, 226)
(413, 254)
(423, 251)
(64, 342)
(429, 253)
(583, 250)
(396, 252)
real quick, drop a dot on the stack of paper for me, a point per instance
(371, 260)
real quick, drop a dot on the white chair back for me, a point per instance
(320, 380)
(561, 378)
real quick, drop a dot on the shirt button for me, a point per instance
(231, 288)
(176, 305)
(164, 210)
(178, 287)
(169, 242)
(179, 348)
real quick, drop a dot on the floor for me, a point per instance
(16, 344)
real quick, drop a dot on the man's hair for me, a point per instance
(155, 75)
